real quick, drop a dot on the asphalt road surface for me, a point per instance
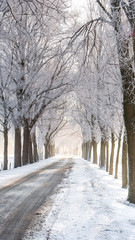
(20, 200)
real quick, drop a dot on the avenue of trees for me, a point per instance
(48, 56)
(108, 41)
(33, 69)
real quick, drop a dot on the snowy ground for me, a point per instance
(10, 176)
(88, 205)
(10, 161)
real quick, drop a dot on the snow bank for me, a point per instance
(90, 205)
(9, 176)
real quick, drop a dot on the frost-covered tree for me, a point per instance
(122, 18)
(99, 94)
(52, 121)
(118, 18)
(39, 63)
(6, 93)
(5, 114)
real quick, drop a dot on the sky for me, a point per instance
(80, 6)
(79, 3)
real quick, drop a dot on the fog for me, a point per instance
(69, 140)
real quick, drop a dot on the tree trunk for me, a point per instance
(5, 149)
(35, 150)
(17, 148)
(47, 150)
(26, 139)
(83, 150)
(107, 157)
(124, 162)
(102, 153)
(84, 154)
(53, 150)
(129, 118)
(90, 151)
(131, 155)
(118, 155)
(30, 152)
(41, 155)
(86, 151)
(94, 143)
(112, 155)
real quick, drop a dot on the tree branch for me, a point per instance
(103, 8)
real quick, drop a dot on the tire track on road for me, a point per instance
(37, 187)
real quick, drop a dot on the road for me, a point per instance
(20, 200)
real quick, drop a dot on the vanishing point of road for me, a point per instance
(20, 200)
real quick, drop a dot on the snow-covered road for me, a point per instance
(89, 205)
(21, 199)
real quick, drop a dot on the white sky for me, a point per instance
(79, 3)
(80, 6)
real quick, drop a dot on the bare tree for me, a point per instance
(121, 10)
(37, 60)
(52, 121)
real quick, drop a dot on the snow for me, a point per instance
(88, 205)
(12, 175)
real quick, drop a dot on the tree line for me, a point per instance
(33, 73)
(106, 108)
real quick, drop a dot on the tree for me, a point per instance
(124, 162)
(52, 121)
(123, 11)
(5, 96)
(37, 59)
(114, 17)
(99, 88)
(118, 154)
(35, 147)
(126, 55)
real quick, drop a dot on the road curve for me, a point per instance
(20, 200)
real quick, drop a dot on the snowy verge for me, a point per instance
(9, 176)
(88, 205)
